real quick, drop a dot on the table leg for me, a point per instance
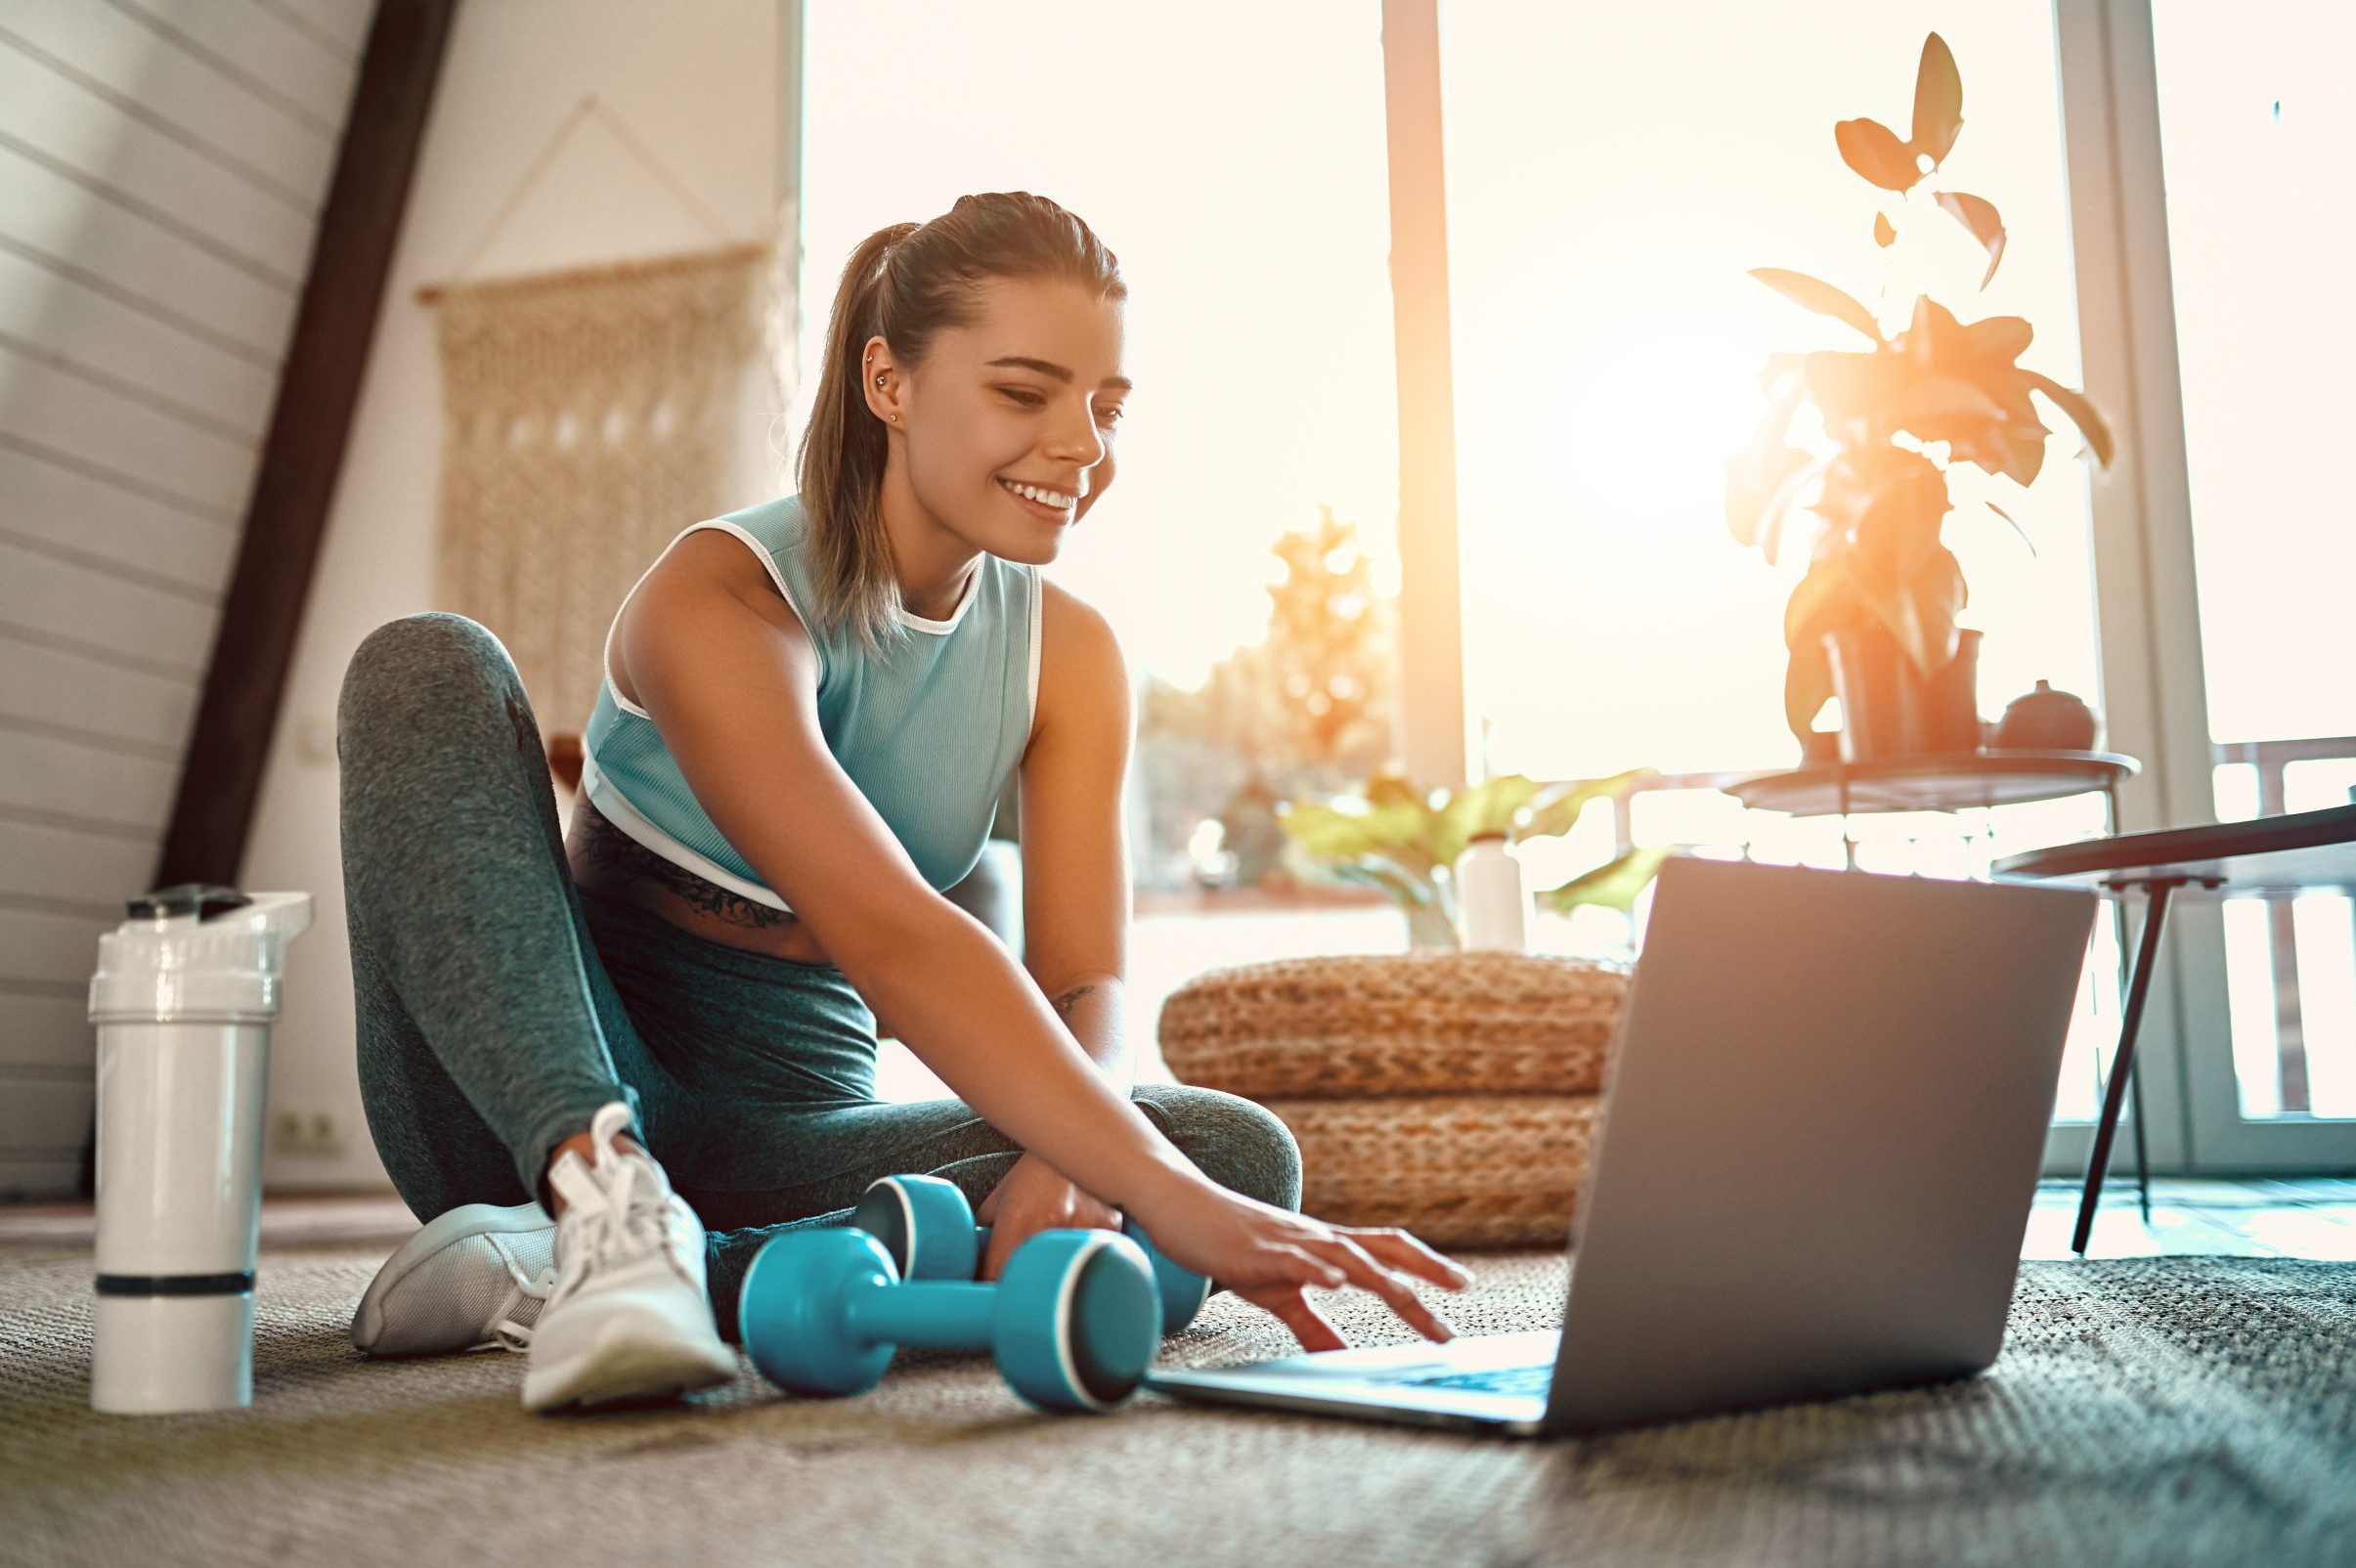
(2143, 1163)
(2123, 1064)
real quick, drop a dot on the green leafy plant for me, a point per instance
(1406, 841)
(1899, 416)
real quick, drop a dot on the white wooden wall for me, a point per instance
(163, 164)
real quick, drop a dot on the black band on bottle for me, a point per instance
(174, 1285)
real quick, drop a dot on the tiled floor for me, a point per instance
(2298, 1217)
(2310, 1217)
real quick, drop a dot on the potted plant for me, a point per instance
(1874, 619)
(1406, 843)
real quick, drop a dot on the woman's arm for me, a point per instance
(730, 677)
(1076, 888)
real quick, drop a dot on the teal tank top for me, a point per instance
(928, 730)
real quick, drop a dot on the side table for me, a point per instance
(2270, 857)
(1947, 781)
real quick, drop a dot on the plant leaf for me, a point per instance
(2081, 413)
(1613, 887)
(1488, 806)
(1945, 408)
(1824, 600)
(1921, 613)
(1882, 234)
(1779, 506)
(1980, 217)
(1874, 150)
(1778, 367)
(1820, 297)
(1938, 101)
(1558, 813)
(2016, 528)
(1337, 837)
(1807, 686)
(1896, 532)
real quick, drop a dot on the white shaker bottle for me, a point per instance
(184, 996)
(1494, 905)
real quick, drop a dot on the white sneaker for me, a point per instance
(471, 1278)
(629, 1317)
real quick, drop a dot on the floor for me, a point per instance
(2297, 1217)
(2302, 1217)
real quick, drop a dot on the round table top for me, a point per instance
(1938, 781)
(2275, 856)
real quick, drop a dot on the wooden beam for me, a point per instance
(221, 774)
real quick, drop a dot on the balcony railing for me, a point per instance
(2264, 952)
(2267, 778)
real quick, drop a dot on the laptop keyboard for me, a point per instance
(1530, 1380)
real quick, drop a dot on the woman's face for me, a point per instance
(1031, 395)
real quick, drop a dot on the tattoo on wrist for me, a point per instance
(1071, 999)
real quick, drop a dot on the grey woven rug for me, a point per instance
(2150, 1412)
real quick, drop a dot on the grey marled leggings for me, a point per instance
(499, 1005)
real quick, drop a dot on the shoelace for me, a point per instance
(620, 1215)
(506, 1332)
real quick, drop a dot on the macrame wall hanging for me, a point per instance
(589, 415)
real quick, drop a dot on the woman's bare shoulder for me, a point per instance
(1082, 669)
(710, 569)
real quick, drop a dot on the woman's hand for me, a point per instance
(1269, 1257)
(1031, 1197)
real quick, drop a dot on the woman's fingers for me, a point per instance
(1396, 1293)
(1401, 1250)
(1294, 1311)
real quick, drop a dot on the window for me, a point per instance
(1244, 190)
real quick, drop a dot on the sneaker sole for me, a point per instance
(467, 1219)
(626, 1365)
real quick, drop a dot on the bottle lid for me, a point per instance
(184, 898)
(196, 954)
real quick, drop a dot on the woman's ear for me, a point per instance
(879, 380)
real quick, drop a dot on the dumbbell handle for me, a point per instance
(934, 1314)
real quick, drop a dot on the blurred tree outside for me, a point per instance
(1307, 710)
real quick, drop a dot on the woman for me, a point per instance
(809, 709)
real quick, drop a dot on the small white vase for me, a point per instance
(1489, 892)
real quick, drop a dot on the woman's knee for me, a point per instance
(430, 674)
(1238, 1144)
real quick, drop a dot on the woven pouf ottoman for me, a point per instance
(1450, 1094)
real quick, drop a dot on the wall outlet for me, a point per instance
(301, 1135)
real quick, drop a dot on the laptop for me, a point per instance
(1823, 1128)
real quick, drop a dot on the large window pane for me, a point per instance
(1241, 181)
(1613, 172)
(2253, 140)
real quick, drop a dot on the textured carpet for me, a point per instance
(2150, 1412)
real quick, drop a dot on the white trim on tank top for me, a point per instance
(768, 562)
(617, 810)
(1038, 593)
(761, 552)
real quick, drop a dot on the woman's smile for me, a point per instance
(1038, 508)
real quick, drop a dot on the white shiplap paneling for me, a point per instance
(81, 507)
(162, 165)
(131, 625)
(49, 692)
(56, 120)
(92, 329)
(112, 54)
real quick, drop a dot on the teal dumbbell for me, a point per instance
(1071, 1321)
(927, 1226)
